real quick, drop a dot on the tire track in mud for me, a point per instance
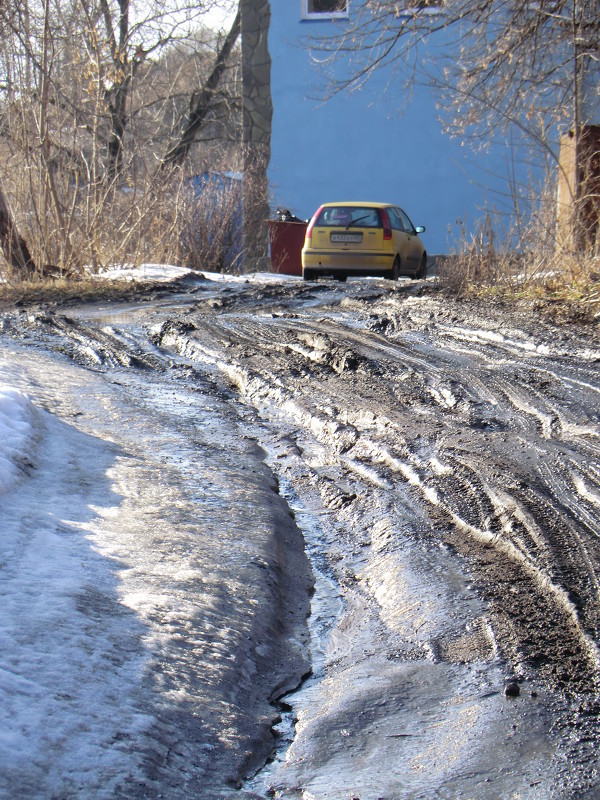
(96, 346)
(423, 423)
(479, 441)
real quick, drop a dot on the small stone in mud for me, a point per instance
(512, 689)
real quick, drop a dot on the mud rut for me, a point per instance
(396, 415)
(495, 434)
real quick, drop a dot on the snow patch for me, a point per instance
(16, 434)
(143, 272)
(584, 492)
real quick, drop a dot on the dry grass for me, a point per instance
(566, 289)
(524, 266)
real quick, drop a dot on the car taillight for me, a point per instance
(387, 228)
(311, 224)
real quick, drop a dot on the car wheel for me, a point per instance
(422, 271)
(395, 269)
(341, 278)
(308, 275)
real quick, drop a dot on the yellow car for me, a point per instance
(355, 238)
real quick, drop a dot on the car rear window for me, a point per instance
(349, 216)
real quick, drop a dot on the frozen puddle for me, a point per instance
(325, 609)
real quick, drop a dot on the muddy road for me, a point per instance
(441, 462)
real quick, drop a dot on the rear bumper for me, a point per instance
(323, 262)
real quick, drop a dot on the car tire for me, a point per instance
(422, 271)
(395, 269)
(308, 275)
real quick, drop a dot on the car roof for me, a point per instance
(357, 203)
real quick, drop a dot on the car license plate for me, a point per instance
(352, 238)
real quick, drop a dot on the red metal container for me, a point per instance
(287, 240)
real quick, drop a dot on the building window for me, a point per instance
(324, 9)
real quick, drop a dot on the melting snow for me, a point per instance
(16, 411)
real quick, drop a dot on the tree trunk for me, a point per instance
(200, 103)
(14, 247)
(118, 118)
(116, 97)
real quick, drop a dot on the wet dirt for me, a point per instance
(442, 460)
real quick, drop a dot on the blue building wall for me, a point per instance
(357, 145)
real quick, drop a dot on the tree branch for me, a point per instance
(201, 102)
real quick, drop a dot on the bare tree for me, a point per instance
(87, 111)
(200, 101)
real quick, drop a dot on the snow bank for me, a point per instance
(15, 433)
(144, 272)
(169, 272)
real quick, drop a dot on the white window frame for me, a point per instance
(322, 15)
